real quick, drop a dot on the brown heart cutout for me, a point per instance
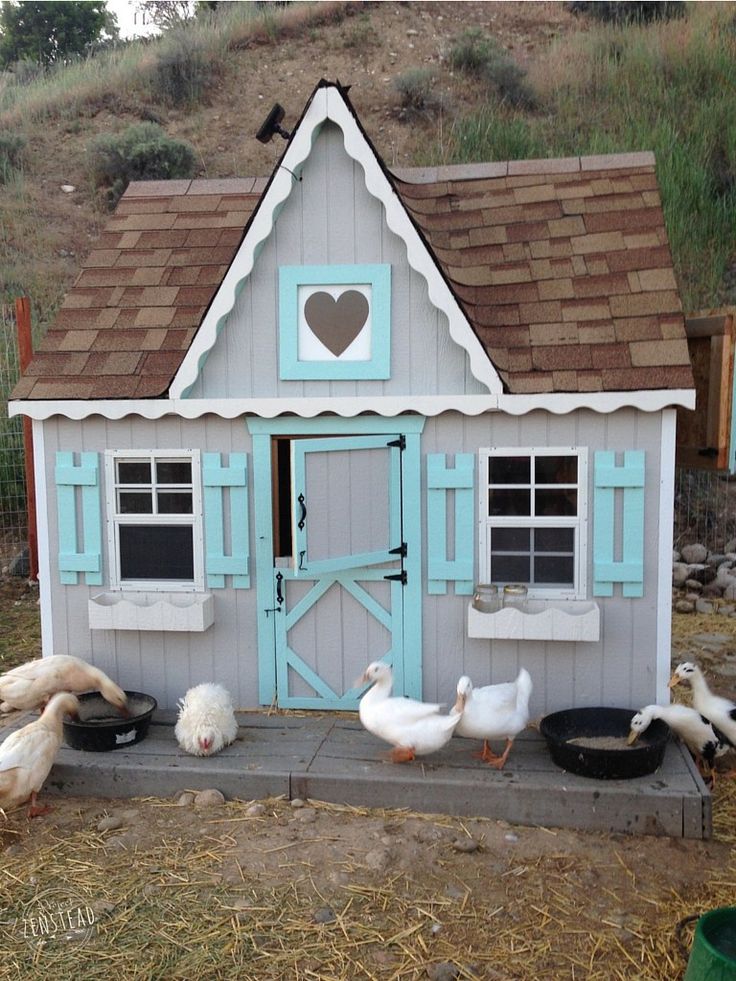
(336, 323)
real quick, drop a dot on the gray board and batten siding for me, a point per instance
(611, 671)
(331, 218)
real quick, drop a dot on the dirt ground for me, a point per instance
(183, 888)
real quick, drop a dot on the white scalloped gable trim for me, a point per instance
(328, 103)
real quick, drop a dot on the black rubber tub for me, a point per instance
(600, 749)
(101, 727)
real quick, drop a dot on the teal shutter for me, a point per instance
(220, 482)
(68, 478)
(607, 479)
(441, 480)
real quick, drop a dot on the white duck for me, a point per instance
(206, 721)
(27, 755)
(704, 741)
(413, 728)
(493, 712)
(719, 710)
(33, 683)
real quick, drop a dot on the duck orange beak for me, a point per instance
(674, 680)
(459, 705)
(633, 736)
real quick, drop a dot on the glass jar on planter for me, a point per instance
(486, 598)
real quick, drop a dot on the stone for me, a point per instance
(324, 915)
(306, 815)
(730, 545)
(110, 823)
(186, 799)
(729, 592)
(465, 845)
(684, 606)
(676, 555)
(712, 589)
(694, 553)
(209, 798)
(255, 810)
(68, 188)
(703, 606)
(693, 585)
(298, 802)
(679, 573)
(702, 573)
(442, 971)
(726, 611)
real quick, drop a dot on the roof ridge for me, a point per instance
(515, 168)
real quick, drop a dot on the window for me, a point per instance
(533, 510)
(154, 519)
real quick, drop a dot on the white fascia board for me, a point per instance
(328, 103)
(430, 405)
(667, 447)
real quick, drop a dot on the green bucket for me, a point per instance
(713, 954)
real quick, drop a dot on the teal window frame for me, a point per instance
(378, 277)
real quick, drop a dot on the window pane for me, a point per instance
(554, 540)
(509, 568)
(509, 470)
(556, 470)
(555, 502)
(509, 502)
(554, 569)
(172, 503)
(510, 539)
(173, 472)
(134, 472)
(156, 552)
(131, 503)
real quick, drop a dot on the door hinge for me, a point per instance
(400, 550)
(400, 442)
(399, 577)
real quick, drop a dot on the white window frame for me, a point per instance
(114, 520)
(579, 522)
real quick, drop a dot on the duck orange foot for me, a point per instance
(402, 754)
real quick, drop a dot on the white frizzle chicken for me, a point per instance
(206, 720)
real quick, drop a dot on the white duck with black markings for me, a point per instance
(701, 737)
(720, 711)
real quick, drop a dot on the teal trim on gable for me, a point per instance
(440, 480)
(68, 477)
(378, 366)
(629, 479)
(220, 482)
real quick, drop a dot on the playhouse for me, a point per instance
(283, 427)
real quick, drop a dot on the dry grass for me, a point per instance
(165, 910)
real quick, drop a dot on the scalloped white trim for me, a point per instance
(429, 405)
(328, 103)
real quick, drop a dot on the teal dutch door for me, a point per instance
(340, 571)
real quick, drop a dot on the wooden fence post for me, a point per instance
(25, 353)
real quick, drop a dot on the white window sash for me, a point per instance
(115, 520)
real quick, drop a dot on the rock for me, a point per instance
(129, 816)
(702, 573)
(378, 859)
(726, 610)
(712, 589)
(298, 802)
(68, 188)
(684, 606)
(306, 815)
(255, 810)
(110, 823)
(676, 555)
(716, 559)
(324, 915)
(729, 593)
(703, 606)
(442, 971)
(209, 798)
(679, 573)
(730, 545)
(511, 837)
(186, 799)
(694, 553)
(693, 586)
(465, 845)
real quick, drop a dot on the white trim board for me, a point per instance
(42, 537)
(329, 103)
(664, 555)
(429, 405)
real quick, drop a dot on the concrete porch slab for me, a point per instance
(332, 758)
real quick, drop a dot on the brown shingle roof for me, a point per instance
(562, 267)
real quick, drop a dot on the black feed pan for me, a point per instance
(102, 727)
(598, 761)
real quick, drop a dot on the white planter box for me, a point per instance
(542, 620)
(151, 611)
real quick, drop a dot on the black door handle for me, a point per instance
(303, 516)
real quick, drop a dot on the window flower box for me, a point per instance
(540, 620)
(151, 611)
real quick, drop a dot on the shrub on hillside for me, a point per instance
(183, 69)
(140, 153)
(418, 93)
(480, 56)
(11, 153)
(635, 12)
